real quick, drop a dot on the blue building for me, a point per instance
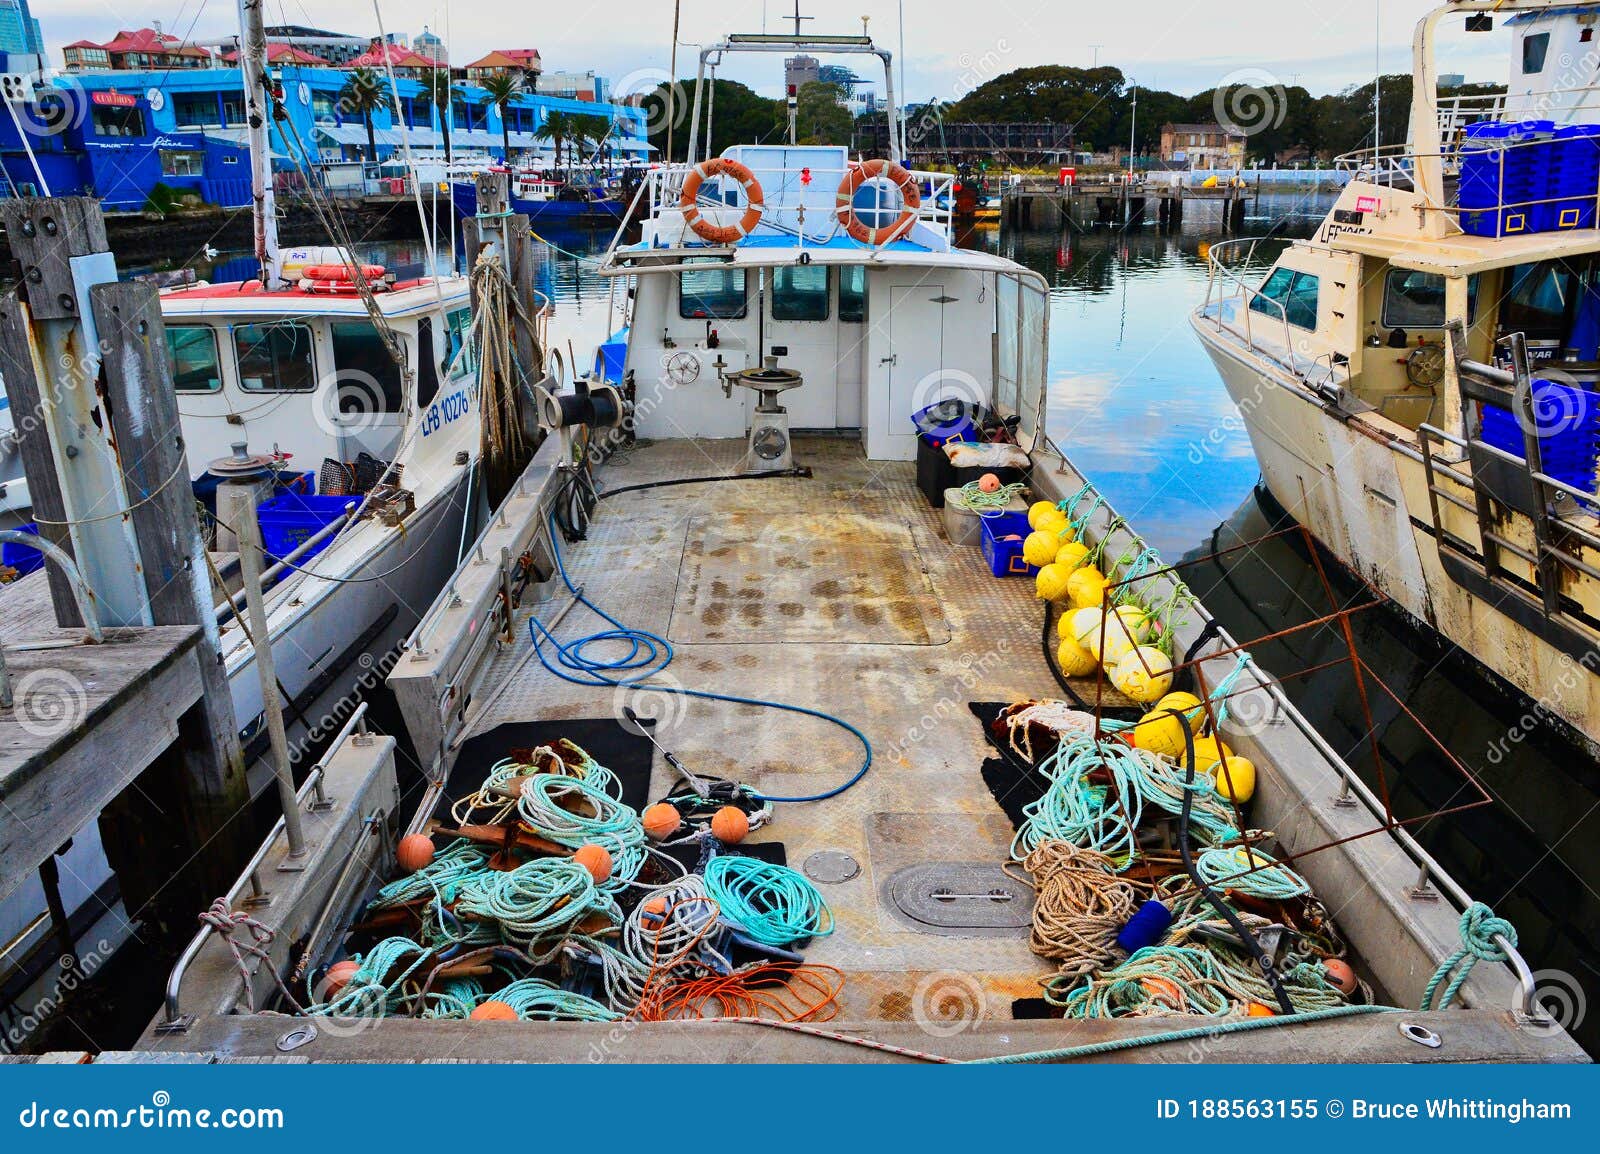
(19, 31)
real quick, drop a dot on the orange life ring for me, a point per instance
(341, 272)
(910, 194)
(327, 286)
(721, 233)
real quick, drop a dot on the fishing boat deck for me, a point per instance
(839, 593)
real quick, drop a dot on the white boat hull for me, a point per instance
(1366, 501)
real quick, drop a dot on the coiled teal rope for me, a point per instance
(1266, 879)
(536, 1000)
(535, 897)
(989, 504)
(1479, 926)
(769, 903)
(544, 806)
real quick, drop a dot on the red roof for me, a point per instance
(83, 44)
(284, 54)
(393, 55)
(149, 40)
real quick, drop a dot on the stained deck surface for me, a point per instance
(839, 593)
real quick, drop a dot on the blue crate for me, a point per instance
(1574, 177)
(946, 421)
(1005, 557)
(290, 520)
(1568, 427)
(1505, 164)
(23, 559)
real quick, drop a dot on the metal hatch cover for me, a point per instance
(960, 899)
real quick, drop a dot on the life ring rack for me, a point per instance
(722, 233)
(897, 175)
(332, 279)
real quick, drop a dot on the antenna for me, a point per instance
(1377, 80)
(797, 18)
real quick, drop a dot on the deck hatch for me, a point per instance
(947, 897)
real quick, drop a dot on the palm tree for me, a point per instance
(363, 95)
(583, 129)
(440, 89)
(503, 88)
(557, 128)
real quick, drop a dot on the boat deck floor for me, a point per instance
(839, 593)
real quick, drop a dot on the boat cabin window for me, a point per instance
(369, 380)
(853, 293)
(460, 355)
(430, 370)
(1538, 300)
(1534, 50)
(1415, 300)
(275, 358)
(800, 292)
(1289, 294)
(715, 294)
(192, 352)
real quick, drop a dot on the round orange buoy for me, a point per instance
(338, 977)
(989, 483)
(595, 859)
(414, 851)
(661, 820)
(492, 1011)
(656, 909)
(1257, 1010)
(1340, 974)
(1164, 988)
(730, 825)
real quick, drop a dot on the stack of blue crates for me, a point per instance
(1505, 164)
(1574, 177)
(1567, 420)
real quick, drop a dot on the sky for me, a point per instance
(951, 46)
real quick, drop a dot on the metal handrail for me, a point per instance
(63, 561)
(249, 876)
(1249, 294)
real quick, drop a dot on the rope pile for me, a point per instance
(550, 903)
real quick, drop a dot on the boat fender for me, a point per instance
(1149, 922)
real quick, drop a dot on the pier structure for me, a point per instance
(1035, 203)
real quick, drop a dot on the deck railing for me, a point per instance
(1225, 283)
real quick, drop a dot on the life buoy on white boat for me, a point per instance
(722, 233)
(910, 195)
(333, 279)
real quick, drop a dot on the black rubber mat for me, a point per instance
(1012, 781)
(628, 755)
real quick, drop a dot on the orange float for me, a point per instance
(1341, 975)
(338, 977)
(910, 194)
(492, 1011)
(1257, 1010)
(722, 233)
(989, 483)
(596, 859)
(661, 820)
(730, 825)
(414, 852)
(1165, 989)
(342, 272)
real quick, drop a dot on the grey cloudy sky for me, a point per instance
(950, 45)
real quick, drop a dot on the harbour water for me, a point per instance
(1137, 405)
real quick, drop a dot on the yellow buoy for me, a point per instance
(1087, 586)
(1084, 626)
(1055, 521)
(1074, 659)
(1236, 779)
(1040, 548)
(1040, 509)
(1159, 731)
(1208, 751)
(1051, 583)
(1071, 555)
(1144, 675)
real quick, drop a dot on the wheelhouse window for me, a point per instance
(1415, 300)
(115, 120)
(275, 358)
(1289, 295)
(853, 293)
(1538, 300)
(192, 352)
(800, 293)
(1534, 50)
(369, 380)
(182, 162)
(459, 354)
(715, 294)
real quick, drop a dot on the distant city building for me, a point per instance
(429, 45)
(1452, 79)
(798, 71)
(19, 31)
(1202, 146)
(334, 47)
(279, 54)
(132, 51)
(575, 85)
(401, 60)
(522, 62)
(930, 137)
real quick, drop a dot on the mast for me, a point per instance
(258, 115)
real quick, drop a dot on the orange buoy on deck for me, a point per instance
(492, 1011)
(414, 852)
(596, 859)
(1257, 1010)
(730, 825)
(661, 820)
(1340, 974)
(989, 483)
(338, 977)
